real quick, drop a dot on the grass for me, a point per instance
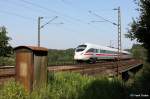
(12, 90)
(105, 89)
(69, 86)
(76, 86)
(142, 81)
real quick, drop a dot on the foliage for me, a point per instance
(138, 52)
(55, 57)
(70, 86)
(12, 90)
(105, 89)
(140, 28)
(141, 83)
(60, 56)
(7, 61)
(5, 48)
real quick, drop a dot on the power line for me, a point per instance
(50, 10)
(85, 9)
(22, 5)
(97, 21)
(102, 18)
(18, 15)
(68, 3)
(37, 5)
(45, 8)
(74, 6)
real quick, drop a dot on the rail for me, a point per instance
(103, 68)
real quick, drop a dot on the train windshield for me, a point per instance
(81, 48)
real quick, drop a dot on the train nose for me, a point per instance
(78, 55)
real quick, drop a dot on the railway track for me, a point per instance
(6, 73)
(100, 68)
(103, 68)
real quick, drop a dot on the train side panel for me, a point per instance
(91, 52)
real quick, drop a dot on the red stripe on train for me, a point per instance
(100, 54)
(89, 53)
(105, 55)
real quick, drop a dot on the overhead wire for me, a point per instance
(16, 14)
(44, 8)
(23, 6)
(64, 16)
(47, 9)
(49, 21)
(103, 18)
(53, 11)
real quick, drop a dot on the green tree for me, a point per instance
(140, 31)
(140, 27)
(138, 52)
(5, 48)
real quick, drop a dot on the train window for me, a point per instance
(125, 54)
(97, 50)
(110, 52)
(91, 50)
(103, 51)
(107, 51)
(81, 48)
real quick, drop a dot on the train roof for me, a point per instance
(104, 47)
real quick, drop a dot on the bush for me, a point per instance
(56, 57)
(105, 89)
(12, 90)
(69, 86)
(5, 61)
(141, 84)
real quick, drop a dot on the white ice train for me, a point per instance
(91, 53)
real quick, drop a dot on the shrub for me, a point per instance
(69, 86)
(141, 84)
(7, 61)
(105, 89)
(12, 90)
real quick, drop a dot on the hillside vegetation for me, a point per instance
(56, 57)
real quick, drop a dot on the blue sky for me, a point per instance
(20, 19)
